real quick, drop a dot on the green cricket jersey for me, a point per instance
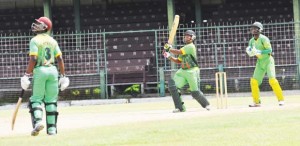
(263, 44)
(45, 48)
(189, 56)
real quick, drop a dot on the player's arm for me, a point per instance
(250, 50)
(64, 81)
(60, 61)
(267, 46)
(176, 52)
(61, 64)
(176, 60)
(181, 51)
(266, 51)
(25, 82)
(31, 64)
(32, 57)
(170, 49)
(168, 56)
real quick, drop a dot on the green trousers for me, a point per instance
(45, 90)
(262, 67)
(190, 76)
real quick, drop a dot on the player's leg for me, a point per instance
(274, 82)
(50, 100)
(174, 85)
(255, 81)
(193, 78)
(36, 100)
(36, 112)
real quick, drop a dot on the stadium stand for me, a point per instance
(131, 57)
(242, 12)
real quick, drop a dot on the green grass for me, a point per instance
(236, 126)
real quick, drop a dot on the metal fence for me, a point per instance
(224, 46)
(84, 57)
(134, 57)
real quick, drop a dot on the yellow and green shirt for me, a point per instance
(188, 57)
(263, 44)
(45, 48)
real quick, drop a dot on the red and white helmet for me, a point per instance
(41, 25)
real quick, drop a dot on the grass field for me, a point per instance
(154, 124)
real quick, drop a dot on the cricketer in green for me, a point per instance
(188, 73)
(260, 46)
(43, 50)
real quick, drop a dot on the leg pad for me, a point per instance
(51, 116)
(36, 112)
(255, 90)
(198, 95)
(175, 95)
(276, 89)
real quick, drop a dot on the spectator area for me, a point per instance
(130, 57)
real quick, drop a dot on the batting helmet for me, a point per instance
(258, 25)
(41, 24)
(191, 33)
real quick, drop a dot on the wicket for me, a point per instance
(221, 90)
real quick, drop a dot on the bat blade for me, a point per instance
(16, 111)
(173, 29)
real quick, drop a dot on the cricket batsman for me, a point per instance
(260, 46)
(188, 73)
(43, 50)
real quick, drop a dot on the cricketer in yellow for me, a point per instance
(260, 46)
(43, 50)
(187, 74)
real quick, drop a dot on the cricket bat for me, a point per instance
(16, 110)
(173, 29)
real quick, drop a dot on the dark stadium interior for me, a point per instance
(130, 57)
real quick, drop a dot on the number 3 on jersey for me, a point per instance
(47, 56)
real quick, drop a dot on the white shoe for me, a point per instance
(38, 127)
(281, 103)
(207, 107)
(176, 110)
(51, 133)
(255, 105)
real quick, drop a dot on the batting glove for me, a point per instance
(250, 51)
(167, 47)
(63, 82)
(167, 55)
(25, 81)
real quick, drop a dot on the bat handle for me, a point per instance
(22, 93)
